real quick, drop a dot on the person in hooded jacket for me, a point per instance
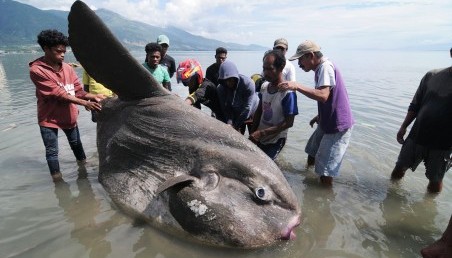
(58, 92)
(238, 99)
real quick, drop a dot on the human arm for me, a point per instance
(49, 88)
(249, 100)
(413, 109)
(191, 99)
(89, 105)
(172, 68)
(82, 97)
(203, 94)
(290, 110)
(319, 94)
(325, 80)
(256, 118)
(314, 120)
(225, 103)
(410, 116)
(256, 136)
(166, 83)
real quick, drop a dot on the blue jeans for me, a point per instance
(50, 139)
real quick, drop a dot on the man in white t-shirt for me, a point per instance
(277, 109)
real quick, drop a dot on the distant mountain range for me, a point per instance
(20, 24)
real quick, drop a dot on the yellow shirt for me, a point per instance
(95, 87)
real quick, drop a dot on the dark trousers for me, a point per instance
(273, 149)
(50, 139)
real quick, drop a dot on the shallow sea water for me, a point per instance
(364, 215)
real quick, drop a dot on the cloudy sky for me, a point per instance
(343, 24)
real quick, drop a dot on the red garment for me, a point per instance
(52, 90)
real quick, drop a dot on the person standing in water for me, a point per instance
(327, 145)
(237, 96)
(430, 138)
(58, 92)
(276, 111)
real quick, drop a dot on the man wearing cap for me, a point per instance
(327, 145)
(289, 70)
(166, 61)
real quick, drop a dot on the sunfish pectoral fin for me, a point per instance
(105, 59)
(174, 181)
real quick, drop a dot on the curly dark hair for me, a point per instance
(51, 38)
(152, 47)
(280, 60)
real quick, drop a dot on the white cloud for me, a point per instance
(336, 24)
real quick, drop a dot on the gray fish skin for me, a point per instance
(177, 168)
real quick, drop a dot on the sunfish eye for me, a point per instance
(260, 193)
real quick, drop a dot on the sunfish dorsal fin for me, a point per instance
(105, 59)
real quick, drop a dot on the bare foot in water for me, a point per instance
(326, 181)
(57, 177)
(442, 248)
(439, 249)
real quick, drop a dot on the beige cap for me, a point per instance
(306, 47)
(281, 43)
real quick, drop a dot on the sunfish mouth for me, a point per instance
(288, 232)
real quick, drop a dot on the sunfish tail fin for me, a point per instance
(106, 59)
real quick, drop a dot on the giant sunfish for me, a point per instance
(172, 165)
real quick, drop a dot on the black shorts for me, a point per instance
(436, 162)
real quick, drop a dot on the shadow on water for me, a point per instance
(81, 210)
(408, 222)
(319, 223)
